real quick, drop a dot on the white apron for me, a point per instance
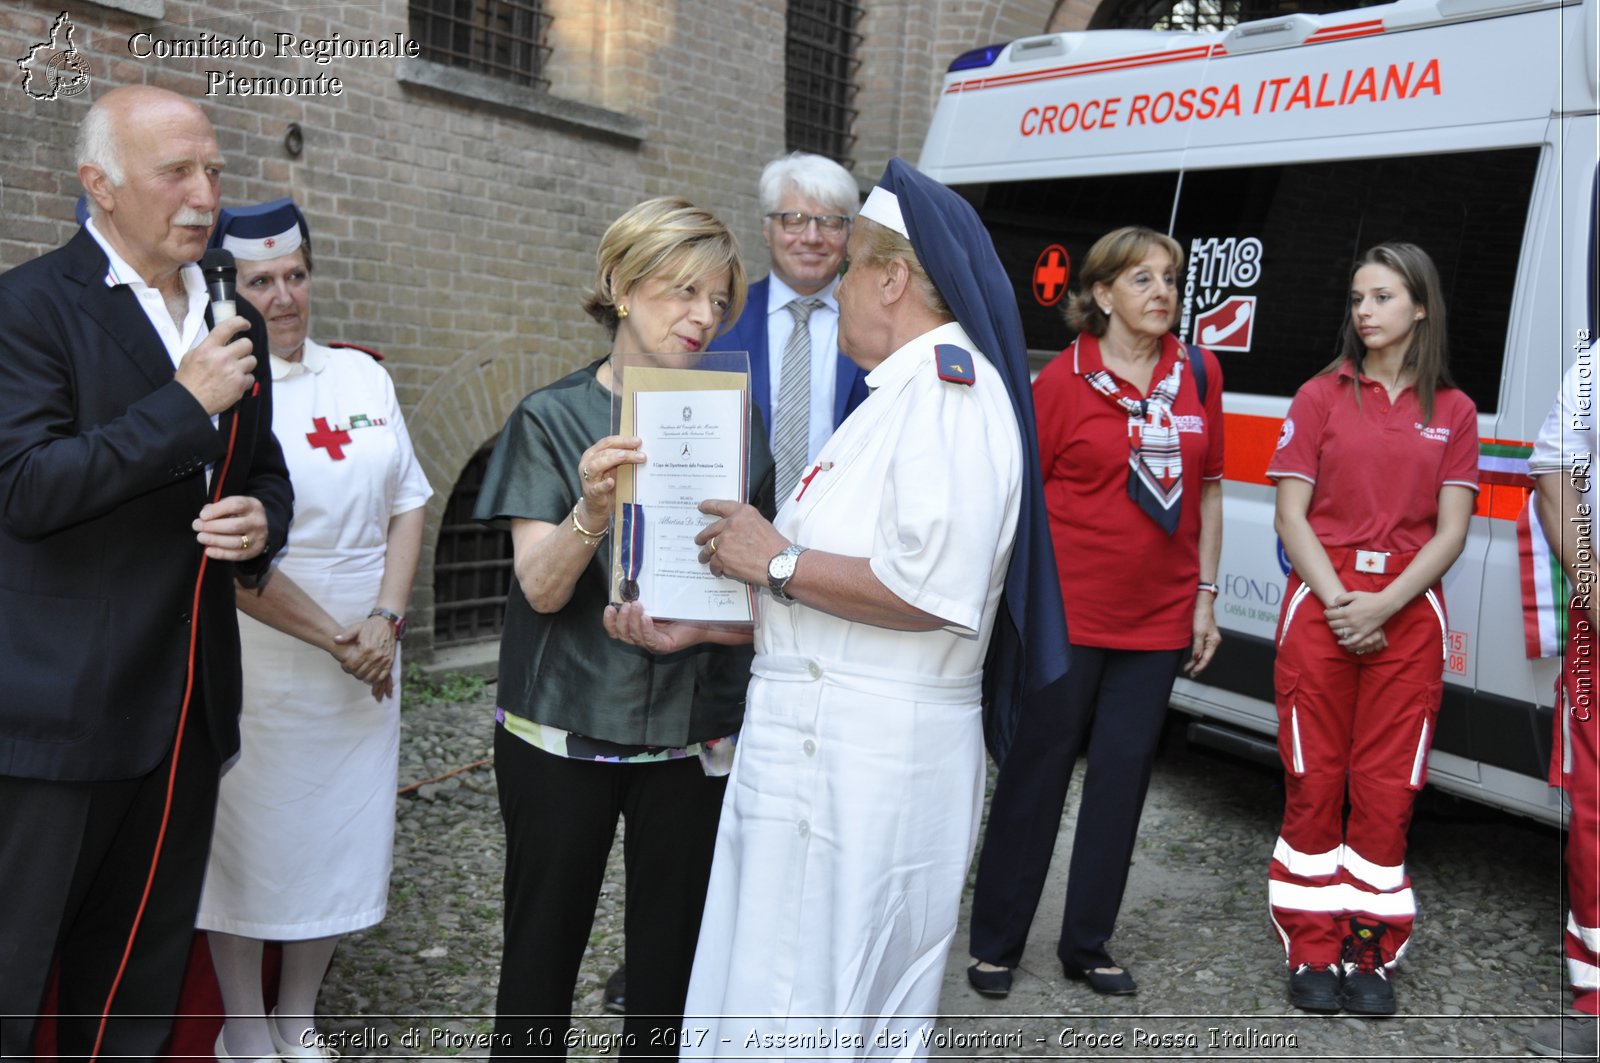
(305, 815)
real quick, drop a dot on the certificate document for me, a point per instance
(694, 424)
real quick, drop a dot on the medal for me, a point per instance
(631, 553)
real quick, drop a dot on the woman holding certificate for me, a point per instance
(589, 728)
(916, 546)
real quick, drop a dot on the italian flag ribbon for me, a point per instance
(1544, 587)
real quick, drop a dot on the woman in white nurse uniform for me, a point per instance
(305, 816)
(853, 808)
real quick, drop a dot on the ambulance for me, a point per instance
(1275, 153)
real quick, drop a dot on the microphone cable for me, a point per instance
(177, 744)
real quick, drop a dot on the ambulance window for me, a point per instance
(1269, 251)
(1043, 229)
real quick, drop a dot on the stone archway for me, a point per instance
(455, 419)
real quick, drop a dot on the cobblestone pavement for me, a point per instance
(1484, 965)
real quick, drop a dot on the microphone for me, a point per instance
(221, 278)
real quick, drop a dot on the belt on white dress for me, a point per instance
(882, 682)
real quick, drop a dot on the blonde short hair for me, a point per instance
(669, 234)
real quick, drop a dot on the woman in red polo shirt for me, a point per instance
(1130, 440)
(1377, 471)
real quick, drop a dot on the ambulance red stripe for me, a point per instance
(1252, 439)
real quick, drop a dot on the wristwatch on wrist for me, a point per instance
(780, 570)
(395, 619)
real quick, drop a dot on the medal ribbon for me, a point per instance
(632, 545)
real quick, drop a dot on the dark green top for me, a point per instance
(562, 669)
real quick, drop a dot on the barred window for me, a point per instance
(1207, 14)
(820, 67)
(501, 38)
(471, 566)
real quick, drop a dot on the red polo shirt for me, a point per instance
(1376, 469)
(1127, 584)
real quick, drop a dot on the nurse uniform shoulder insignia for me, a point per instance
(955, 364)
(374, 355)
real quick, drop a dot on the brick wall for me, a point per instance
(907, 44)
(1071, 15)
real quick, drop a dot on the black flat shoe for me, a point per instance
(1106, 983)
(995, 984)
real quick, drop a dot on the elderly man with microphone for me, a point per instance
(138, 479)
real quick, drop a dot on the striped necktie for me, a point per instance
(791, 421)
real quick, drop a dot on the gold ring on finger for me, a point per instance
(584, 470)
(244, 542)
(713, 546)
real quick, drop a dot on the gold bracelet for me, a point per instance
(590, 538)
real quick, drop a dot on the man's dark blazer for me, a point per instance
(102, 472)
(749, 333)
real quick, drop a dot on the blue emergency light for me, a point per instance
(978, 57)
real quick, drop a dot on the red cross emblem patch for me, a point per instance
(332, 440)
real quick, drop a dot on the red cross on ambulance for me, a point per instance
(1050, 273)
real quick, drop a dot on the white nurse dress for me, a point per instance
(305, 814)
(853, 807)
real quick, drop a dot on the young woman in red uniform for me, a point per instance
(1377, 470)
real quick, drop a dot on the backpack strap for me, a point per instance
(1197, 366)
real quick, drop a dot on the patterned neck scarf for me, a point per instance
(1155, 461)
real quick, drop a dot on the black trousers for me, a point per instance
(1115, 700)
(561, 816)
(74, 859)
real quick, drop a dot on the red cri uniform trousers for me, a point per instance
(1360, 724)
(1575, 767)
